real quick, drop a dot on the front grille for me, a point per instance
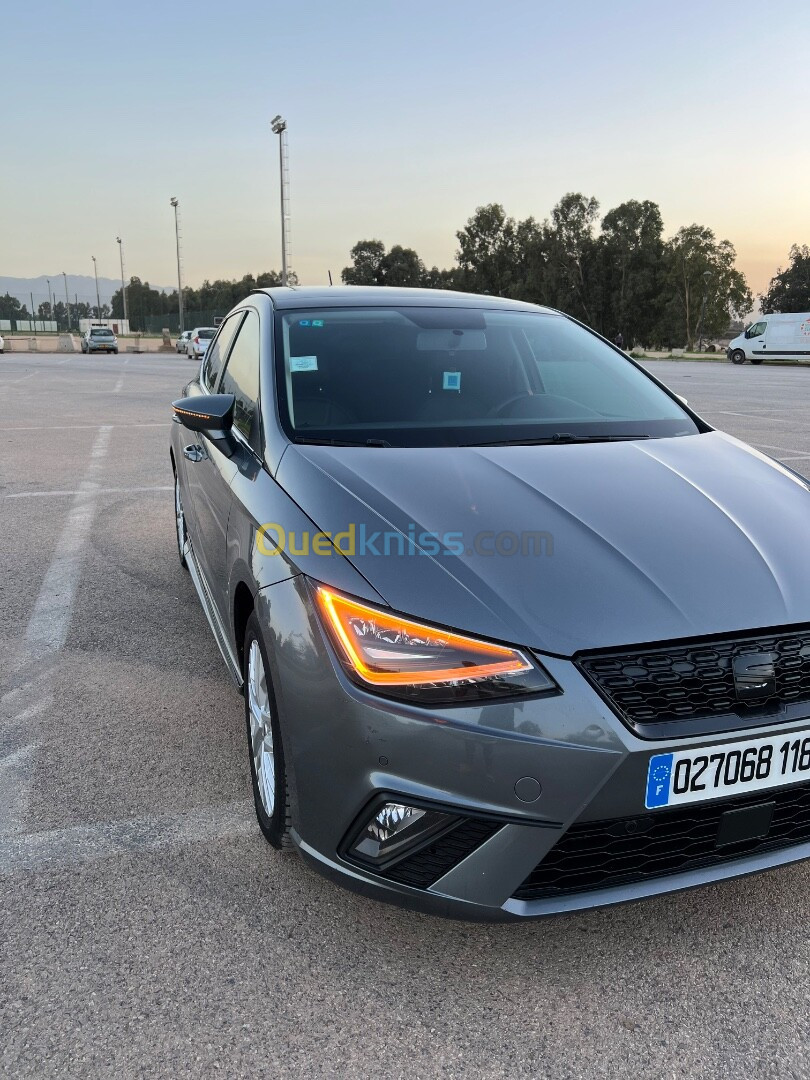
(596, 855)
(430, 863)
(685, 683)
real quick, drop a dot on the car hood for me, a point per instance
(638, 541)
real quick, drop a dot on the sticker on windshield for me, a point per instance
(303, 363)
(452, 381)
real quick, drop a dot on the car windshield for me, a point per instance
(206, 333)
(101, 333)
(456, 376)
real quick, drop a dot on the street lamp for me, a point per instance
(98, 298)
(123, 286)
(67, 301)
(50, 299)
(707, 274)
(279, 126)
(175, 203)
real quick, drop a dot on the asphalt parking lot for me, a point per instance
(147, 930)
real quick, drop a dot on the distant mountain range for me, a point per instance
(81, 285)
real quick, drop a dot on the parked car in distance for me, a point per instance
(199, 340)
(99, 339)
(2, 344)
(181, 345)
(518, 632)
(773, 337)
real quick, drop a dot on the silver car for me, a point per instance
(99, 339)
(517, 631)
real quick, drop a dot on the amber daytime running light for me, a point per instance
(402, 658)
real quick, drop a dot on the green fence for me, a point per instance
(155, 324)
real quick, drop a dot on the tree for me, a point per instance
(572, 255)
(494, 253)
(632, 245)
(691, 253)
(789, 290)
(366, 269)
(402, 267)
(11, 308)
(372, 265)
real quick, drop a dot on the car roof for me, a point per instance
(383, 296)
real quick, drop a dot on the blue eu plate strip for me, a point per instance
(659, 776)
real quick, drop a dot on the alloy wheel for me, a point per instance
(261, 729)
(179, 521)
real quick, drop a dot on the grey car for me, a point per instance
(517, 631)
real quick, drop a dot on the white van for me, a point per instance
(773, 337)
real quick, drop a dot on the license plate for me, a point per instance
(713, 772)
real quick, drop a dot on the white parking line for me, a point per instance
(78, 491)
(119, 384)
(81, 843)
(755, 416)
(785, 449)
(83, 427)
(48, 626)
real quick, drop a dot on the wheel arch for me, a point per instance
(241, 609)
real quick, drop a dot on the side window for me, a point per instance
(757, 330)
(218, 350)
(241, 378)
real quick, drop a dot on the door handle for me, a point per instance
(193, 453)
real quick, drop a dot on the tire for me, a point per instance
(268, 771)
(179, 522)
(738, 357)
(757, 359)
(115, 351)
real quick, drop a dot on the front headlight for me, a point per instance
(394, 655)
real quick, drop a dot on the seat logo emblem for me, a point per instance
(754, 675)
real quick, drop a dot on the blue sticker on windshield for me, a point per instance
(452, 381)
(303, 322)
(317, 322)
(658, 780)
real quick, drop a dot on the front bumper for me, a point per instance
(345, 748)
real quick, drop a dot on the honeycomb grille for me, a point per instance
(692, 681)
(601, 854)
(430, 863)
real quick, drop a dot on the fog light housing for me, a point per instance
(393, 829)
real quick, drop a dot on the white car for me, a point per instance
(199, 340)
(181, 345)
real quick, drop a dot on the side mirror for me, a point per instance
(211, 414)
(747, 333)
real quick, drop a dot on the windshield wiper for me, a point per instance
(339, 442)
(560, 437)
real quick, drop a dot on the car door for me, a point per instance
(240, 377)
(759, 335)
(208, 472)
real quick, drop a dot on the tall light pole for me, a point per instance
(279, 127)
(50, 300)
(67, 301)
(98, 298)
(707, 274)
(123, 285)
(174, 202)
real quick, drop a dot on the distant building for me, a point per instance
(118, 326)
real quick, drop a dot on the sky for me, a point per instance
(403, 118)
